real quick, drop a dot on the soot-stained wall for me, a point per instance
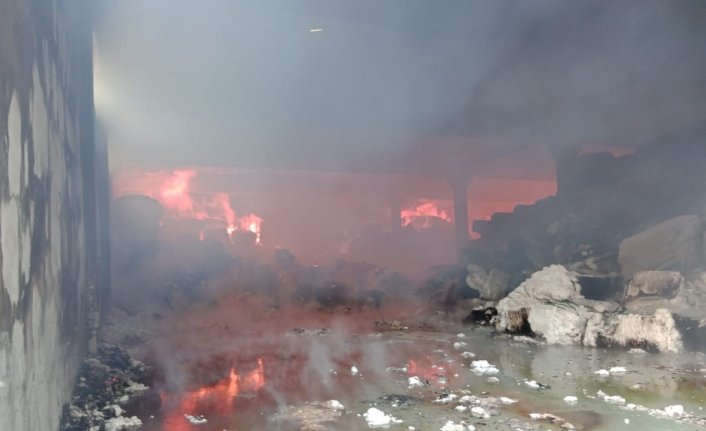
(52, 252)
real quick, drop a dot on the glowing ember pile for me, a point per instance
(425, 211)
(173, 191)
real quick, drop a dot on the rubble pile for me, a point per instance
(549, 304)
(601, 263)
(107, 382)
(601, 201)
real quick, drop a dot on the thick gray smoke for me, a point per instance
(387, 84)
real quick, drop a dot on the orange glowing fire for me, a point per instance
(219, 397)
(424, 211)
(173, 191)
(252, 223)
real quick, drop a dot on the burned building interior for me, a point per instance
(344, 215)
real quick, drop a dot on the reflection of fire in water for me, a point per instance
(425, 369)
(173, 191)
(218, 398)
(422, 213)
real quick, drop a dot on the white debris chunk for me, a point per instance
(461, 335)
(122, 423)
(117, 410)
(334, 405)
(458, 345)
(674, 411)
(493, 380)
(468, 355)
(480, 412)
(445, 398)
(354, 370)
(378, 419)
(506, 400)
(571, 400)
(637, 407)
(602, 373)
(626, 421)
(135, 387)
(483, 367)
(532, 384)
(614, 399)
(415, 382)
(618, 370)
(452, 426)
(196, 420)
(461, 408)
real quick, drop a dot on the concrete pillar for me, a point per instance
(395, 214)
(459, 190)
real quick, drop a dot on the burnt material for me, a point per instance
(600, 288)
(481, 316)
(518, 322)
(105, 385)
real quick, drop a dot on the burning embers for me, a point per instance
(423, 213)
(173, 190)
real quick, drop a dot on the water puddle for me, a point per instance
(424, 380)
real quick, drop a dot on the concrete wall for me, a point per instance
(52, 258)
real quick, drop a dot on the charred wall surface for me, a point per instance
(52, 253)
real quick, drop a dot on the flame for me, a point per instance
(174, 193)
(252, 223)
(424, 211)
(220, 397)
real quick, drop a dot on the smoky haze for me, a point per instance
(391, 85)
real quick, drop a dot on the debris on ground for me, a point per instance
(452, 426)
(415, 382)
(316, 416)
(483, 367)
(378, 419)
(196, 419)
(390, 325)
(552, 419)
(397, 400)
(304, 331)
(107, 381)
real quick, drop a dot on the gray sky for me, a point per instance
(245, 83)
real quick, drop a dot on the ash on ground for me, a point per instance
(107, 382)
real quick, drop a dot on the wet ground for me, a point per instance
(279, 378)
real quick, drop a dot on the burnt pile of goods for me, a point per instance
(618, 250)
(108, 382)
